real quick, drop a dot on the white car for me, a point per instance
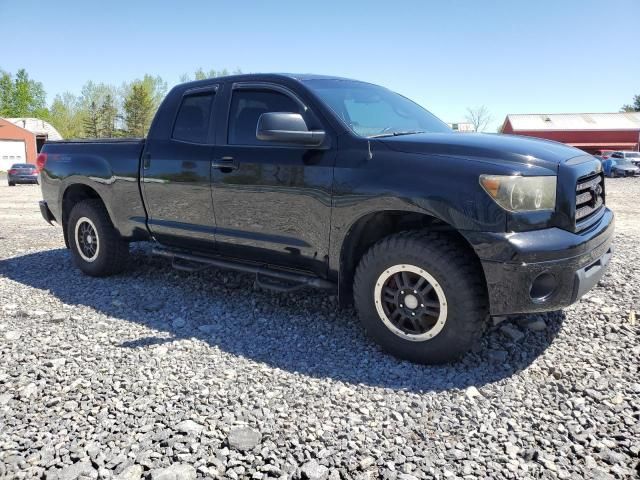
(633, 157)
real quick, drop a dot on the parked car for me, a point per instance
(347, 186)
(631, 156)
(620, 167)
(22, 173)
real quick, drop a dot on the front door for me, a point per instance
(272, 201)
(176, 176)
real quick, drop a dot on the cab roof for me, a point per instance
(300, 77)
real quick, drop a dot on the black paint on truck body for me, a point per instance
(308, 209)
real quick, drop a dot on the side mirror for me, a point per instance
(284, 127)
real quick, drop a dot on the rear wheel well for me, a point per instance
(72, 195)
(373, 227)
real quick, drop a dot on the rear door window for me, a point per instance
(194, 117)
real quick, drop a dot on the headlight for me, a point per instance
(521, 194)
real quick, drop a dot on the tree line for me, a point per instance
(632, 107)
(100, 110)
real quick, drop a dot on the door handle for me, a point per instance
(226, 164)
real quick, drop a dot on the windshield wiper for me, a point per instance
(396, 134)
(408, 132)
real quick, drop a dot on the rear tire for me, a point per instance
(96, 247)
(421, 296)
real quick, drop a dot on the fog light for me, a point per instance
(542, 287)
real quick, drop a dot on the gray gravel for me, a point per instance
(158, 374)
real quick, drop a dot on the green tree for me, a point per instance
(201, 74)
(108, 116)
(66, 115)
(29, 96)
(21, 96)
(634, 107)
(91, 121)
(155, 89)
(93, 98)
(138, 110)
(6, 94)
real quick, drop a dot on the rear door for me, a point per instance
(272, 201)
(176, 175)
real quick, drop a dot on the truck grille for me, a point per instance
(589, 196)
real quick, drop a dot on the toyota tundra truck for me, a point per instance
(316, 181)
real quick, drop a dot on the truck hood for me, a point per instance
(493, 148)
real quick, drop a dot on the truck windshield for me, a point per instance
(373, 111)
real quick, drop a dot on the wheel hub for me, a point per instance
(87, 239)
(410, 302)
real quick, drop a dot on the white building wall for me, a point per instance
(12, 151)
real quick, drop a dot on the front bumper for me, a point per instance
(626, 173)
(543, 270)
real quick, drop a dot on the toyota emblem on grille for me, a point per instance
(595, 191)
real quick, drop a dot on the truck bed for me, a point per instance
(110, 167)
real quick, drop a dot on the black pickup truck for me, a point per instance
(333, 183)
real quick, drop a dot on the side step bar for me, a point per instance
(299, 279)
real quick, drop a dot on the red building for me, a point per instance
(587, 131)
(22, 138)
(17, 145)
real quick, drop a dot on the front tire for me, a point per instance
(12, 184)
(96, 247)
(421, 296)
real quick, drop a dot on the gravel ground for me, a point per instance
(162, 375)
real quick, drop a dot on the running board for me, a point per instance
(277, 285)
(185, 262)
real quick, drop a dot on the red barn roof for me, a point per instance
(589, 131)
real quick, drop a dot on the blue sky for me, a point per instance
(513, 56)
